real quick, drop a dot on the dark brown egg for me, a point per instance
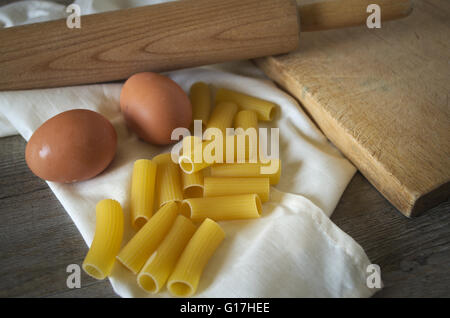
(73, 146)
(153, 106)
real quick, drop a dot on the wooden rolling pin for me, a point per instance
(114, 45)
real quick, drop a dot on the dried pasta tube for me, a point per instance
(168, 180)
(157, 269)
(184, 280)
(216, 187)
(246, 129)
(235, 207)
(222, 116)
(163, 158)
(230, 149)
(192, 160)
(265, 109)
(200, 96)
(246, 119)
(256, 170)
(134, 255)
(142, 192)
(192, 184)
(100, 259)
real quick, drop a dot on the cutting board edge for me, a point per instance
(431, 199)
(409, 202)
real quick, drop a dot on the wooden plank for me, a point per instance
(326, 15)
(381, 96)
(413, 254)
(38, 238)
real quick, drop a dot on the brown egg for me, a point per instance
(153, 106)
(73, 146)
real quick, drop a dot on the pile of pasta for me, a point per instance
(173, 245)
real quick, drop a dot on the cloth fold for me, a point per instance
(293, 250)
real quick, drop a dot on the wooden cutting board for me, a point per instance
(382, 97)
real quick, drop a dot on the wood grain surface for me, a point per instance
(326, 15)
(115, 45)
(38, 238)
(382, 97)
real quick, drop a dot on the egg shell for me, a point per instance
(153, 106)
(75, 145)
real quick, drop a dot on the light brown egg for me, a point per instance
(73, 146)
(153, 106)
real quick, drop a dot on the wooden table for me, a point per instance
(38, 240)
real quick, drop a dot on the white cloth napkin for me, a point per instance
(293, 250)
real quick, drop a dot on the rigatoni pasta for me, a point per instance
(100, 259)
(168, 248)
(191, 159)
(142, 192)
(271, 170)
(200, 96)
(265, 109)
(184, 280)
(192, 184)
(246, 119)
(235, 207)
(136, 252)
(222, 116)
(162, 158)
(214, 187)
(246, 130)
(168, 180)
(157, 269)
